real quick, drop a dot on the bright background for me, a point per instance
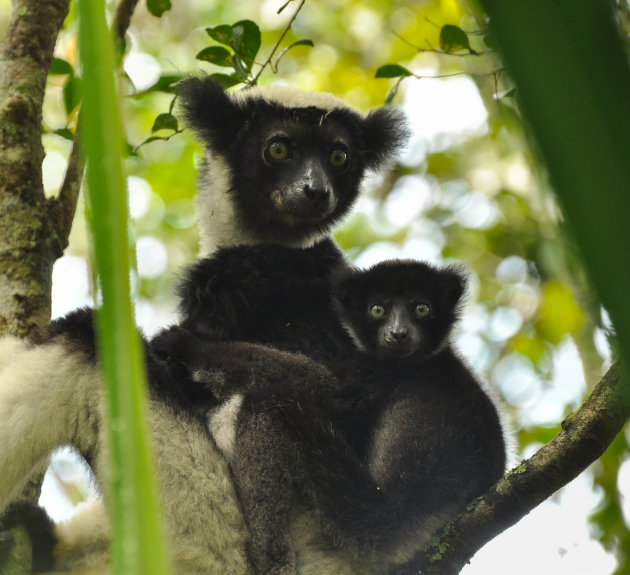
(468, 188)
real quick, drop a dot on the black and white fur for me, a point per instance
(50, 385)
(382, 446)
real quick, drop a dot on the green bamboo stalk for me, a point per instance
(137, 543)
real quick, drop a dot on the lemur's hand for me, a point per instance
(176, 343)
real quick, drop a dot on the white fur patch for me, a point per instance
(217, 217)
(353, 336)
(291, 97)
(48, 398)
(222, 424)
(83, 540)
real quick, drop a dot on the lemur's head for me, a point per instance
(399, 309)
(283, 165)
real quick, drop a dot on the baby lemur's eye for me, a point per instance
(422, 310)
(377, 311)
(338, 158)
(277, 150)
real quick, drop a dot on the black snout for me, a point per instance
(397, 335)
(320, 197)
(317, 187)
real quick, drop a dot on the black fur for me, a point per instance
(378, 449)
(266, 294)
(40, 529)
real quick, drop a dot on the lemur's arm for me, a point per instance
(227, 367)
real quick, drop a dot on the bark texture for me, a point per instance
(29, 245)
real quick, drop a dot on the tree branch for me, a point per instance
(63, 207)
(584, 437)
(124, 12)
(27, 244)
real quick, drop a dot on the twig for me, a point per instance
(63, 207)
(442, 52)
(275, 48)
(124, 12)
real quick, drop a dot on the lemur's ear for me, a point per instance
(343, 283)
(209, 110)
(454, 280)
(385, 132)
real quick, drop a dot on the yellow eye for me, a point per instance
(278, 150)
(337, 158)
(377, 311)
(422, 310)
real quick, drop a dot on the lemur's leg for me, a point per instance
(50, 395)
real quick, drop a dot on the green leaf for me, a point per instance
(216, 55)
(394, 90)
(241, 68)
(165, 83)
(134, 151)
(305, 42)
(165, 122)
(246, 36)
(392, 71)
(227, 81)
(60, 67)
(222, 34)
(158, 7)
(72, 94)
(453, 39)
(559, 313)
(65, 133)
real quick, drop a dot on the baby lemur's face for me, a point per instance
(399, 309)
(401, 324)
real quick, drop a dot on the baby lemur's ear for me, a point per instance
(385, 133)
(344, 282)
(454, 280)
(209, 110)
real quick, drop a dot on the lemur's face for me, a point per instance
(401, 325)
(301, 171)
(289, 162)
(399, 309)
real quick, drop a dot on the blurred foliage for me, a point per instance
(469, 187)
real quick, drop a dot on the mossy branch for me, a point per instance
(28, 247)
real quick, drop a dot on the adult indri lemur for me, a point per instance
(283, 166)
(383, 445)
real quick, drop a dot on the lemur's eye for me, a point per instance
(338, 158)
(377, 311)
(422, 310)
(277, 150)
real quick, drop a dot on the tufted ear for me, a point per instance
(454, 283)
(343, 282)
(385, 132)
(209, 110)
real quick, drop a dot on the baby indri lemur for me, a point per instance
(383, 445)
